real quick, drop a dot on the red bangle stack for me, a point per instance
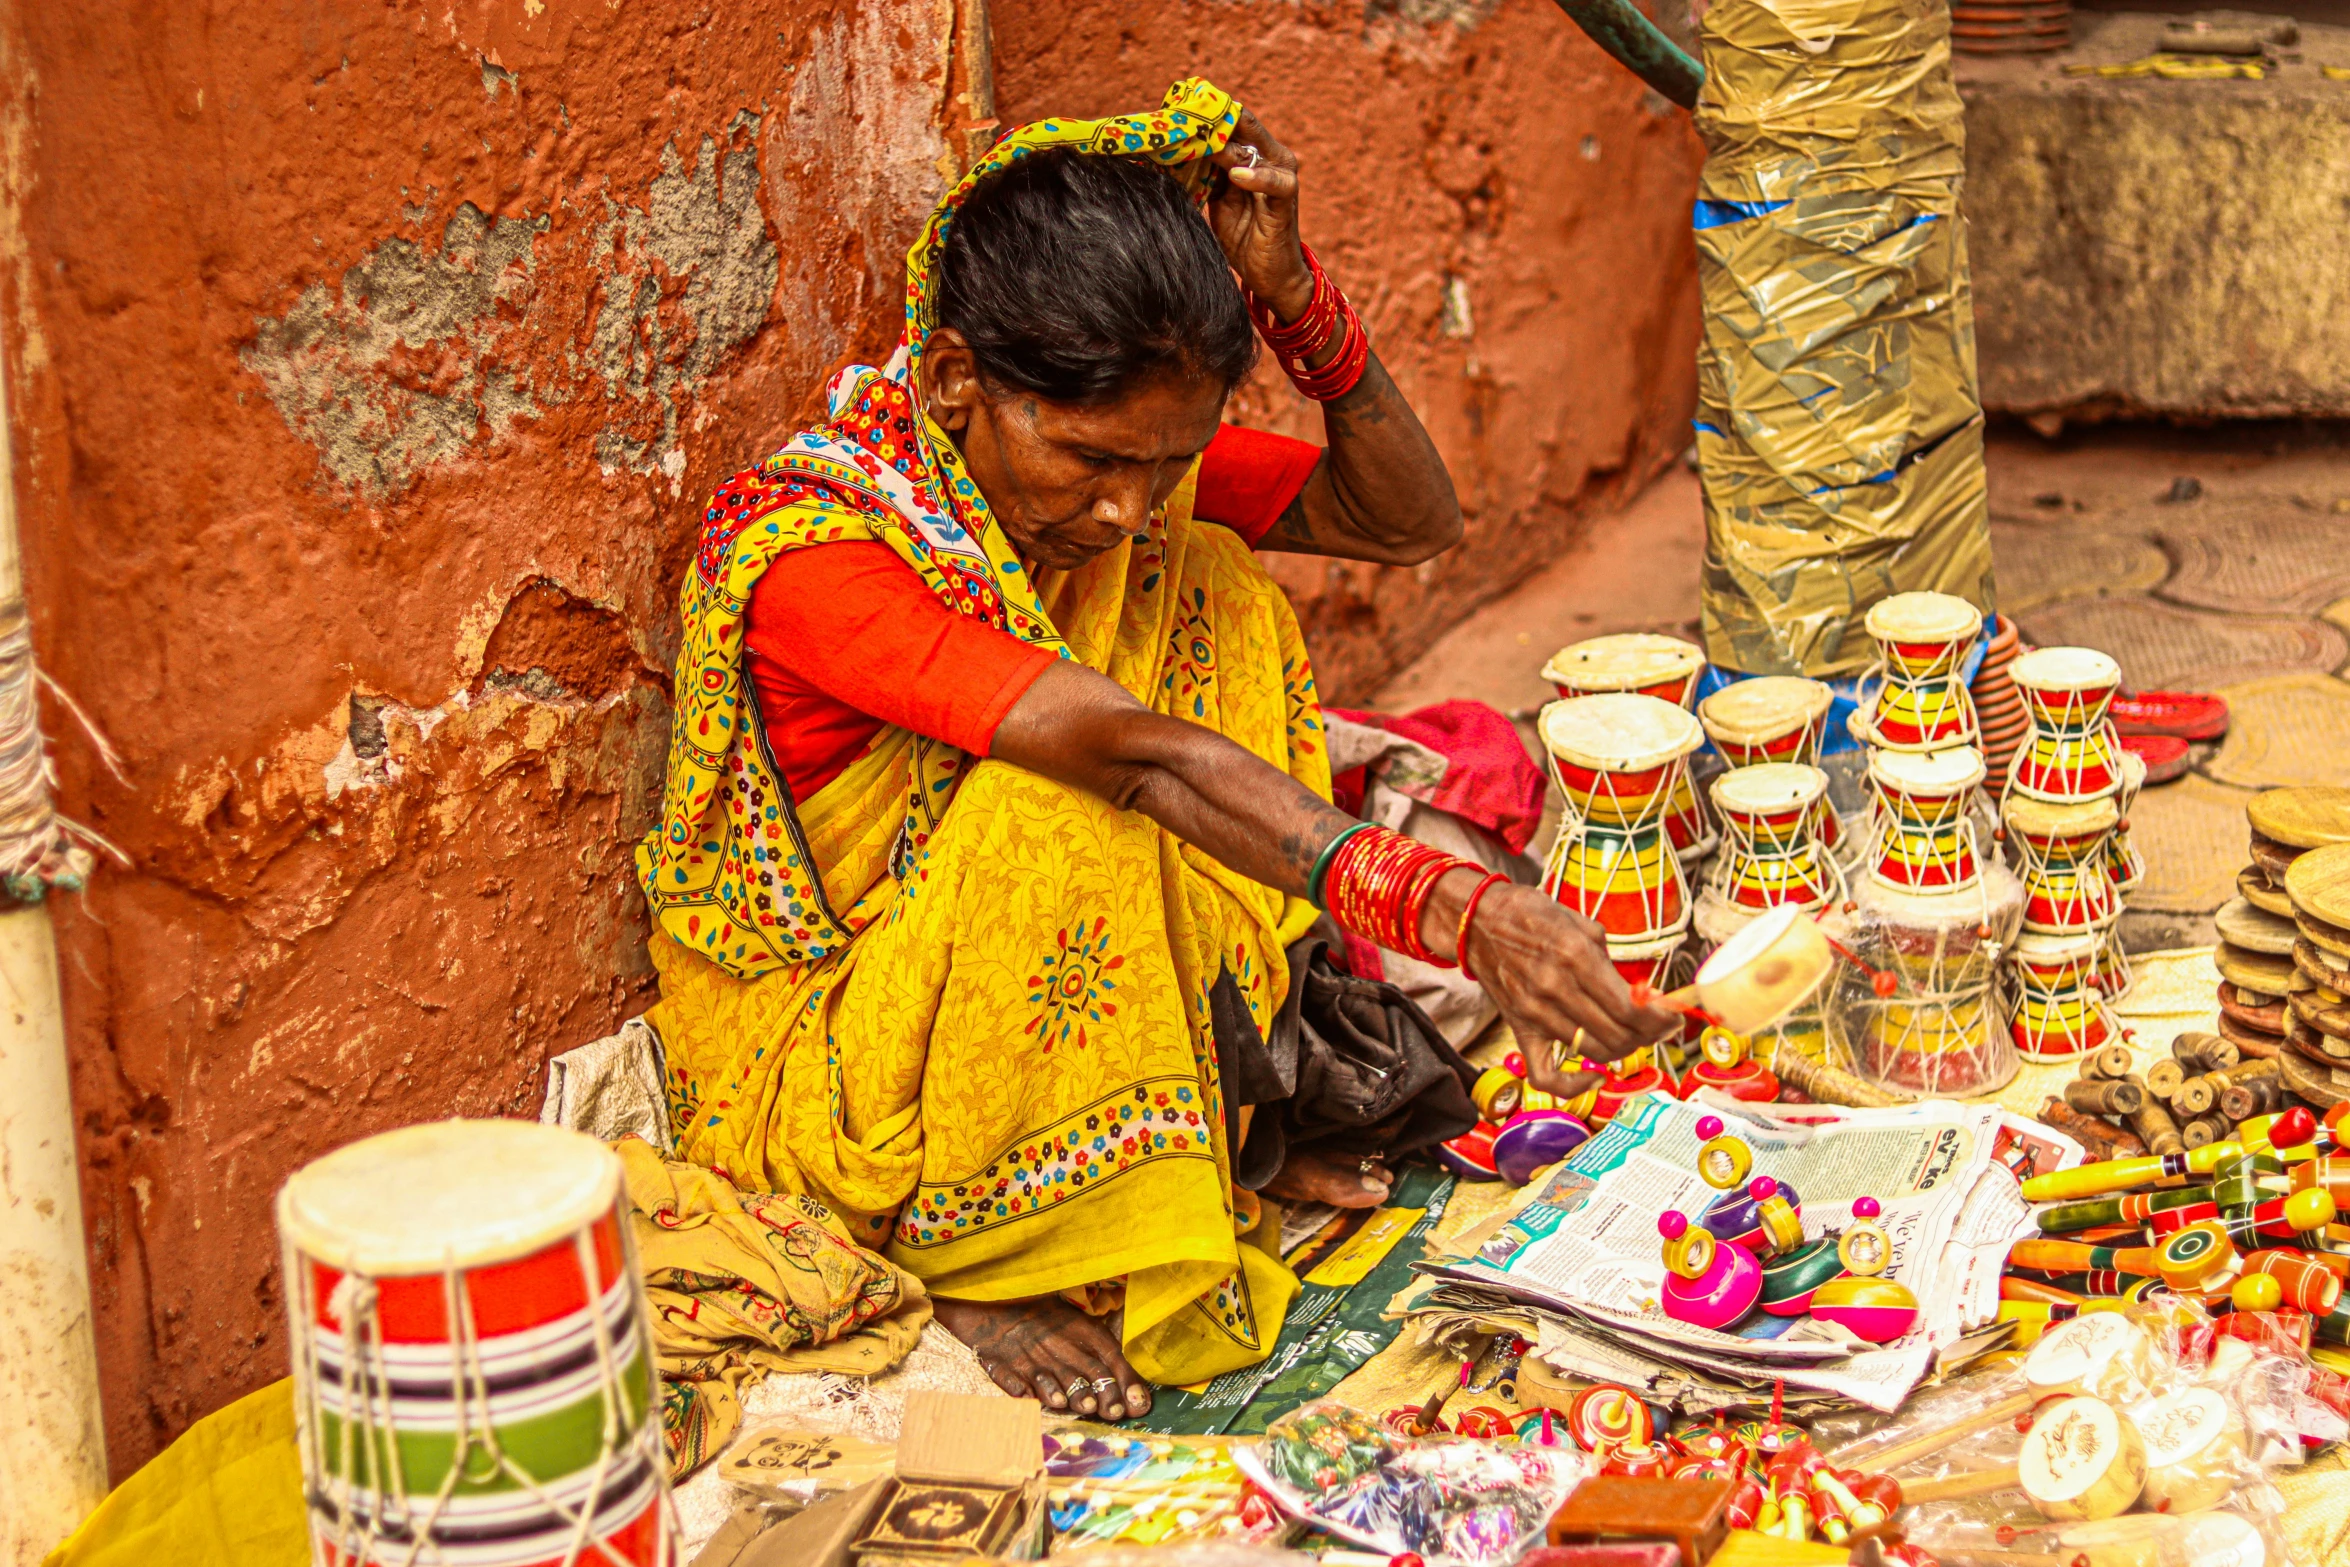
(1328, 316)
(1378, 888)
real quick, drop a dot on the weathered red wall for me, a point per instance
(1507, 207)
(367, 363)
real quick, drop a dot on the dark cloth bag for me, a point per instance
(1353, 1070)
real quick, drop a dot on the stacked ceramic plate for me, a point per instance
(1999, 707)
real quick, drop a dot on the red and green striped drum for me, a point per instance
(1922, 703)
(474, 1377)
(1771, 853)
(2071, 752)
(2062, 850)
(1923, 842)
(1617, 759)
(2058, 1010)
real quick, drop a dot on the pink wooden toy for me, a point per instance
(1707, 1284)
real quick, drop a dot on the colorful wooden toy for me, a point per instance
(1707, 1285)
(1878, 1310)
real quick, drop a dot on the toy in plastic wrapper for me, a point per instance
(1451, 1501)
(1107, 1486)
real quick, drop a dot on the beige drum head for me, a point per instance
(1631, 661)
(2065, 669)
(2072, 819)
(447, 1194)
(1765, 971)
(1930, 774)
(1619, 732)
(1758, 711)
(1772, 789)
(1923, 617)
(2045, 951)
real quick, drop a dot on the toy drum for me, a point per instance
(1638, 662)
(1922, 703)
(1940, 1031)
(1773, 718)
(2062, 850)
(521, 1428)
(1616, 759)
(2058, 1011)
(1922, 840)
(2114, 975)
(1771, 850)
(2071, 752)
(1644, 664)
(2123, 863)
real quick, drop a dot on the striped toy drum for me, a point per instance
(2061, 850)
(2071, 751)
(2115, 977)
(1921, 839)
(2058, 1010)
(474, 1378)
(1639, 662)
(1921, 703)
(1771, 852)
(1642, 663)
(1616, 760)
(1773, 718)
(2123, 863)
(1942, 1029)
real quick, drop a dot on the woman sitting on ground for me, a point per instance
(996, 751)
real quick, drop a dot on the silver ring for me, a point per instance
(1367, 1166)
(1106, 1386)
(1076, 1389)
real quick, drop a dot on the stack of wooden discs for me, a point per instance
(2010, 26)
(2255, 964)
(1999, 707)
(2317, 1003)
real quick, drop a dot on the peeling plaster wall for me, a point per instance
(368, 361)
(1509, 210)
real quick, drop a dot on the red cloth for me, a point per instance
(842, 639)
(1247, 478)
(1489, 779)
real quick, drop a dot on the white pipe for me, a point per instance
(52, 1435)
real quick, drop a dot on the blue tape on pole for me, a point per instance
(1721, 214)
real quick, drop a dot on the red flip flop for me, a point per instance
(2189, 715)
(2166, 756)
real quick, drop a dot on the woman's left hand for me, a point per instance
(1254, 214)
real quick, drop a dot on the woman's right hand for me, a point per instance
(1547, 968)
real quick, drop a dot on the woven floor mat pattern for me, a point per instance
(2166, 647)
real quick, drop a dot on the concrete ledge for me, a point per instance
(2166, 247)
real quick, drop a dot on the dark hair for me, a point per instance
(1072, 275)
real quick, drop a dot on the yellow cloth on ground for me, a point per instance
(743, 1284)
(228, 1493)
(962, 1006)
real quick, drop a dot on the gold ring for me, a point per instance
(1691, 1252)
(1864, 1249)
(1723, 1162)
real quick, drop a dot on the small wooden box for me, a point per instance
(1693, 1514)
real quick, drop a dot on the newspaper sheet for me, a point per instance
(1584, 1242)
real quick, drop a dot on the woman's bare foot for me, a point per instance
(1342, 1183)
(1046, 1349)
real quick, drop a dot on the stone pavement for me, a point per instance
(2239, 584)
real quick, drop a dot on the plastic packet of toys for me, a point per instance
(1452, 1501)
(2114, 1428)
(1105, 1487)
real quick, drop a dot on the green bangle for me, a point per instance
(1321, 870)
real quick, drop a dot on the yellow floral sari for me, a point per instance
(966, 1007)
